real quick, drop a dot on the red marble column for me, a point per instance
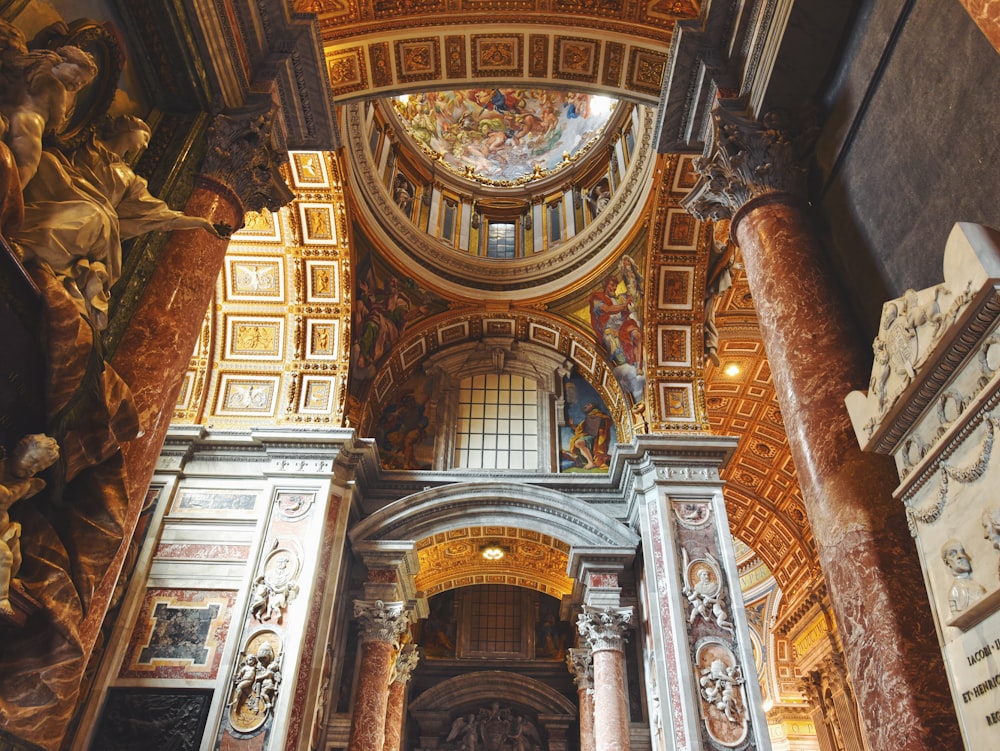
(581, 665)
(986, 14)
(817, 357)
(240, 174)
(381, 624)
(605, 631)
(406, 661)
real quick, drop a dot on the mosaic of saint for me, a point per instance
(587, 433)
(616, 317)
(385, 303)
(504, 134)
(405, 432)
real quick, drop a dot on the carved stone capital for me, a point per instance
(406, 662)
(748, 160)
(381, 621)
(581, 665)
(242, 157)
(605, 629)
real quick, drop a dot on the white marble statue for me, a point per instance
(32, 454)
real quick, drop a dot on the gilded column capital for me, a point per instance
(581, 665)
(242, 157)
(406, 662)
(605, 629)
(381, 621)
(748, 160)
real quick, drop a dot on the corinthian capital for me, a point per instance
(381, 621)
(748, 160)
(406, 661)
(241, 156)
(581, 664)
(605, 629)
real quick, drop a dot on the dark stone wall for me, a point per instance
(910, 147)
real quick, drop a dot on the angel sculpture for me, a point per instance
(37, 89)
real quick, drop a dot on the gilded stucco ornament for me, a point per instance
(746, 160)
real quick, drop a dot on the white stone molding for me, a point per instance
(605, 629)
(381, 621)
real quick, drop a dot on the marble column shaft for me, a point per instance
(406, 661)
(862, 539)
(817, 356)
(986, 14)
(381, 624)
(605, 631)
(581, 665)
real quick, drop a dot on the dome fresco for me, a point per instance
(504, 136)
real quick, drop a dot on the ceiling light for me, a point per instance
(493, 552)
(732, 370)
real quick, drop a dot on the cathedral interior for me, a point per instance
(599, 375)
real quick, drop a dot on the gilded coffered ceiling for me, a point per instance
(529, 559)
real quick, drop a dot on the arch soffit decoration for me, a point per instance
(486, 686)
(503, 329)
(438, 510)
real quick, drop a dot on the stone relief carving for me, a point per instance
(256, 682)
(693, 515)
(494, 729)
(913, 326)
(276, 587)
(720, 686)
(964, 589)
(705, 592)
(931, 514)
(33, 454)
(991, 529)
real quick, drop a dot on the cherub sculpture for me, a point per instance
(32, 454)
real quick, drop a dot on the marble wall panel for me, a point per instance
(179, 633)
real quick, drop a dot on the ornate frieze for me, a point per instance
(381, 621)
(748, 160)
(605, 629)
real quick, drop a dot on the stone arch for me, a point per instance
(501, 503)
